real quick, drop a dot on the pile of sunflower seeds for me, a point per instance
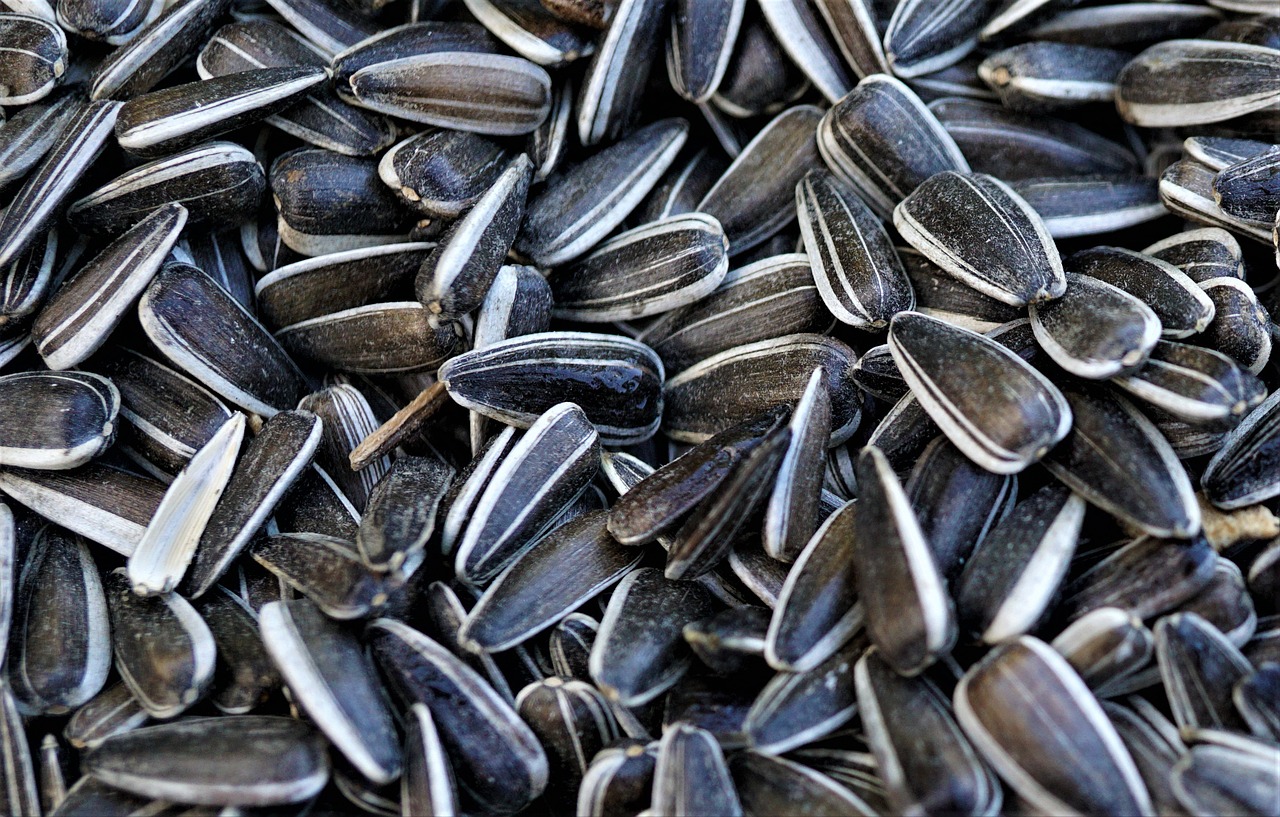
(639, 407)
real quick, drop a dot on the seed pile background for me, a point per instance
(617, 407)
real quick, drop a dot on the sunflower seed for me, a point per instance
(1095, 464)
(640, 652)
(1226, 604)
(531, 31)
(31, 132)
(701, 45)
(102, 504)
(1183, 307)
(401, 512)
(989, 434)
(67, 419)
(817, 612)
(908, 613)
(1194, 82)
(1104, 646)
(882, 140)
(427, 786)
(1043, 76)
(442, 173)
(497, 759)
(584, 203)
(1012, 577)
(334, 681)
(1154, 745)
(707, 397)
(329, 203)
(1186, 188)
(115, 22)
(793, 513)
(1241, 327)
(573, 722)
(925, 760)
(1199, 667)
(244, 676)
(555, 458)
(518, 303)
(60, 652)
(1202, 254)
(325, 569)
(1073, 206)
(1122, 24)
(380, 338)
(35, 58)
(805, 40)
(616, 381)
(1217, 780)
(198, 760)
(858, 273)
(217, 183)
(156, 49)
(347, 418)
(25, 285)
(1255, 698)
(617, 74)
(1194, 384)
(36, 203)
(163, 649)
(1027, 712)
(1146, 577)
(761, 79)
(1250, 190)
(165, 121)
(770, 298)
(456, 274)
(330, 27)
(540, 587)
(111, 711)
(1221, 152)
(80, 316)
(996, 243)
(191, 320)
(1014, 146)
(618, 780)
(692, 776)
(1096, 330)
(922, 37)
(795, 709)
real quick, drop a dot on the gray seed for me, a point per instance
(348, 418)
(34, 58)
(701, 45)
(1194, 82)
(619, 70)
(1073, 206)
(1216, 779)
(244, 676)
(1202, 254)
(379, 338)
(1183, 308)
(445, 613)
(856, 33)
(334, 681)
(1255, 698)
(1194, 384)
(400, 515)
(1199, 668)
(1095, 331)
(1044, 76)
(1226, 604)
(29, 134)
(1241, 327)
(1186, 188)
(426, 787)
(619, 780)
(773, 785)
(923, 37)
(114, 22)
(531, 31)
(795, 709)
(60, 420)
(249, 760)
(163, 649)
(518, 303)
(793, 512)
(573, 722)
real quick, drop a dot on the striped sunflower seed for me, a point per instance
(926, 762)
(640, 652)
(400, 515)
(248, 760)
(761, 79)
(217, 183)
(882, 140)
(651, 269)
(616, 381)
(692, 776)
(618, 780)
(942, 296)
(1241, 327)
(1199, 668)
(89, 305)
(329, 26)
(1242, 472)
(1210, 779)
(67, 419)
(1183, 307)
(1226, 604)
(1221, 152)
(769, 298)
(817, 610)
(553, 461)
(497, 759)
(1203, 254)
(1073, 206)
(1095, 464)
(858, 272)
(138, 65)
(105, 505)
(1096, 331)
(1010, 581)
(441, 172)
(379, 338)
(1026, 710)
(794, 512)
(244, 676)
(909, 615)
(60, 649)
(1104, 646)
(1147, 576)
(923, 37)
(176, 118)
(347, 418)
(571, 564)
(164, 651)
(1255, 698)
(573, 722)
(427, 785)
(325, 569)
(709, 396)
(335, 683)
(1003, 431)
(115, 23)
(111, 711)
(700, 46)
(772, 785)
(518, 303)
(29, 134)
(35, 58)
(976, 228)
(310, 288)
(856, 32)
(583, 204)
(187, 316)
(1194, 384)
(1195, 82)
(795, 709)
(1122, 24)
(1250, 190)
(1044, 76)
(272, 462)
(455, 276)
(1186, 188)
(806, 41)
(166, 548)
(618, 72)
